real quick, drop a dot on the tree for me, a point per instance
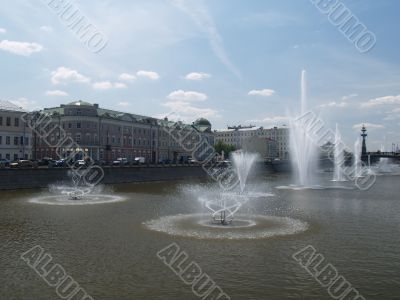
(221, 146)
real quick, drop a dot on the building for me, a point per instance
(105, 134)
(270, 142)
(15, 135)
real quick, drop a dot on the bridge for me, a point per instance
(374, 156)
(379, 154)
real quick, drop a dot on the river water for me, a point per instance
(110, 251)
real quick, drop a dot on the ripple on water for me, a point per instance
(86, 200)
(243, 226)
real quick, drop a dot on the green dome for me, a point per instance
(80, 103)
(202, 122)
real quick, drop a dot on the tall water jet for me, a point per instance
(357, 158)
(339, 157)
(303, 151)
(243, 162)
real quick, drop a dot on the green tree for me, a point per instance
(221, 146)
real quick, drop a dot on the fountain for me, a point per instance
(303, 151)
(339, 157)
(226, 205)
(357, 158)
(78, 193)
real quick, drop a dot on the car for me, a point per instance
(4, 162)
(120, 162)
(192, 160)
(80, 163)
(139, 160)
(60, 163)
(22, 163)
(45, 161)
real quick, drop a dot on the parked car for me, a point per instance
(45, 161)
(139, 160)
(192, 160)
(80, 163)
(22, 163)
(120, 162)
(60, 163)
(5, 162)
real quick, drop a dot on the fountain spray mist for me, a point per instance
(357, 157)
(303, 151)
(339, 157)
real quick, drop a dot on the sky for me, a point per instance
(230, 61)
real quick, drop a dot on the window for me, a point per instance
(8, 156)
(1, 140)
(15, 140)
(78, 137)
(78, 125)
(15, 156)
(1, 121)
(8, 140)
(8, 121)
(16, 122)
(26, 141)
(69, 125)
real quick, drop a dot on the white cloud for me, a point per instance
(119, 85)
(24, 103)
(182, 110)
(335, 104)
(263, 93)
(181, 95)
(148, 74)
(197, 76)
(107, 85)
(46, 28)
(368, 126)
(347, 97)
(20, 48)
(127, 77)
(124, 104)
(57, 93)
(270, 121)
(2, 30)
(382, 101)
(65, 75)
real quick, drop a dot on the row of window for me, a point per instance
(14, 157)
(8, 121)
(78, 125)
(16, 140)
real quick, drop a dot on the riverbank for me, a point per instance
(13, 179)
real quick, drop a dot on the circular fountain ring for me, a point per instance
(86, 200)
(243, 226)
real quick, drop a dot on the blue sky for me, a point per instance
(231, 61)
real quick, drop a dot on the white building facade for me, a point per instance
(241, 137)
(15, 135)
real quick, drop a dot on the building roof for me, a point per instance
(80, 103)
(8, 106)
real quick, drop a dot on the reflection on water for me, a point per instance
(108, 250)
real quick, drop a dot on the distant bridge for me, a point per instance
(381, 154)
